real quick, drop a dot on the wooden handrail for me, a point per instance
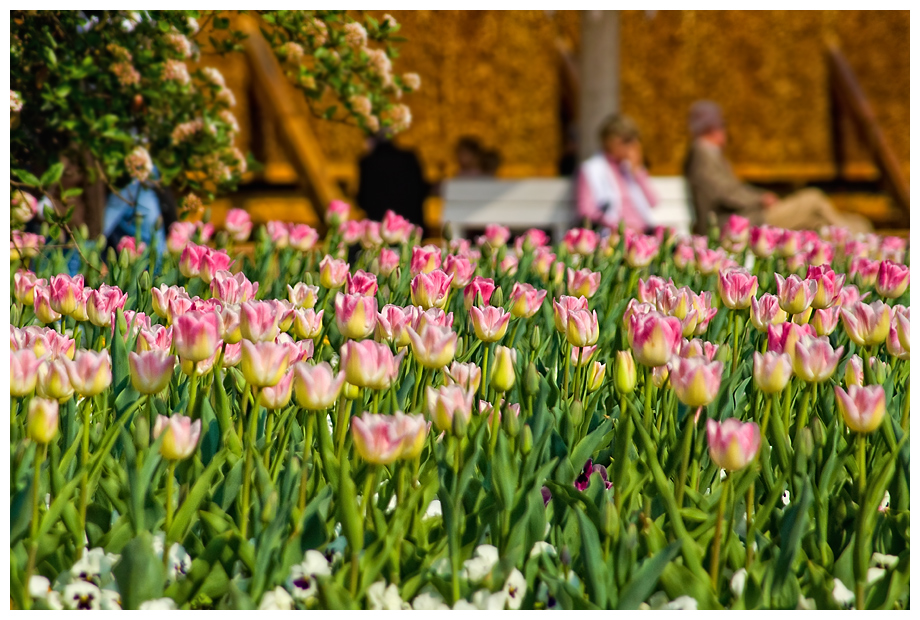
(292, 113)
(849, 98)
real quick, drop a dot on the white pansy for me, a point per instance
(737, 583)
(806, 603)
(159, 604)
(82, 595)
(548, 600)
(111, 600)
(540, 547)
(302, 580)
(843, 595)
(464, 605)
(434, 509)
(429, 599)
(180, 562)
(442, 568)
(515, 588)
(315, 563)
(335, 551)
(95, 566)
(39, 586)
(381, 596)
(884, 561)
(658, 600)
(683, 602)
(886, 502)
(483, 599)
(480, 565)
(277, 600)
(874, 574)
(787, 497)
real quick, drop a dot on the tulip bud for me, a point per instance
(270, 508)
(531, 380)
(577, 413)
(511, 422)
(611, 520)
(23, 372)
(502, 378)
(526, 440)
(596, 375)
(351, 392)
(141, 433)
(625, 377)
(181, 436)
(818, 431)
(535, 338)
(732, 444)
(862, 408)
(42, 424)
(498, 298)
(804, 443)
(144, 282)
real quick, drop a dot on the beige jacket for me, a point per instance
(715, 189)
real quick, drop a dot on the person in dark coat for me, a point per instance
(391, 178)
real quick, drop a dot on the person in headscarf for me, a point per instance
(717, 193)
(613, 184)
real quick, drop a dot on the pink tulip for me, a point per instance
(901, 323)
(732, 444)
(468, 376)
(238, 225)
(46, 342)
(867, 324)
(434, 347)
(735, 233)
(563, 306)
(263, 363)
(581, 328)
(764, 240)
(90, 373)
(332, 272)
(42, 420)
(649, 288)
(351, 232)
(362, 283)
(317, 387)
(279, 233)
(542, 262)
(370, 235)
(302, 237)
(815, 360)
(395, 229)
(212, 262)
(794, 293)
(413, 429)
(489, 323)
(532, 240)
(369, 364)
(191, 259)
(640, 250)
(865, 271)
(495, 235)
(129, 245)
(392, 324)
(526, 300)
(853, 371)
(582, 355)
(850, 296)
(654, 338)
(825, 321)
(302, 295)
(180, 235)
(233, 289)
(54, 380)
(299, 351)
(583, 283)
(828, 286)
(695, 380)
(709, 261)
(684, 257)
(821, 253)
(308, 323)
(581, 241)
(782, 338)
(635, 307)
(233, 355)
(196, 335)
(163, 296)
(154, 338)
(376, 438)
(737, 287)
(430, 290)
(23, 372)
(387, 262)
(698, 348)
(461, 269)
(337, 212)
(278, 396)
(66, 293)
(862, 408)
(425, 259)
(180, 436)
(478, 286)
(24, 283)
(892, 279)
(355, 315)
(102, 303)
(151, 371)
(134, 321)
(772, 371)
(258, 321)
(508, 266)
(893, 343)
(676, 302)
(24, 245)
(766, 312)
(446, 402)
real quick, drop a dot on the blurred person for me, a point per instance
(472, 158)
(717, 192)
(613, 185)
(391, 178)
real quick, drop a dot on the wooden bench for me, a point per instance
(548, 203)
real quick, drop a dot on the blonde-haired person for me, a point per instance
(717, 193)
(613, 185)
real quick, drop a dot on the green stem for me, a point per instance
(648, 399)
(750, 528)
(717, 539)
(269, 431)
(170, 477)
(860, 560)
(307, 449)
(369, 488)
(341, 425)
(33, 530)
(84, 479)
(685, 457)
(455, 533)
(485, 371)
(737, 334)
(250, 447)
(567, 363)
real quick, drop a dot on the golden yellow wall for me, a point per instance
(493, 74)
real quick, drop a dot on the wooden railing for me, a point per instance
(849, 99)
(291, 112)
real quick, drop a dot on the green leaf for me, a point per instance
(26, 177)
(189, 510)
(139, 574)
(594, 563)
(643, 582)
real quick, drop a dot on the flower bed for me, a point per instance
(620, 421)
